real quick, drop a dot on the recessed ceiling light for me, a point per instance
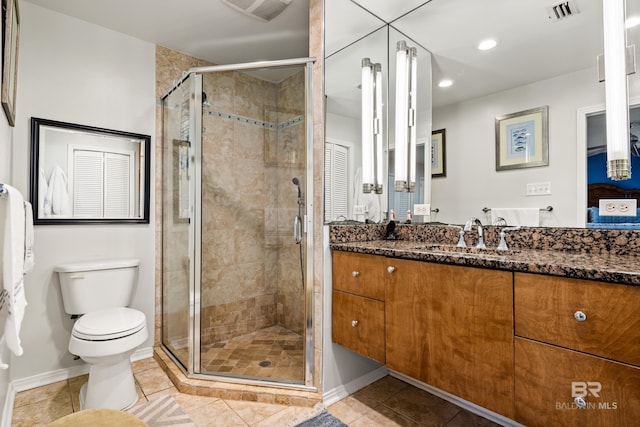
(445, 83)
(633, 21)
(487, 44)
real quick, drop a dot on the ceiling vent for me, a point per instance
(562, 11)
(264, 10)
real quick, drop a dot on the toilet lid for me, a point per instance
(109, 324)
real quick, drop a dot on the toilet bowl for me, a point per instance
(107, 333)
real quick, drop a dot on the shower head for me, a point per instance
(295, 181)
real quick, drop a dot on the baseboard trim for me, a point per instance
(464, 404)
(7, 411)
(332, 396)
(66, 373)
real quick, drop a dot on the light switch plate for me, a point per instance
(617, 207)
(538, 189)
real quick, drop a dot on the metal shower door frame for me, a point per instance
(195, 232)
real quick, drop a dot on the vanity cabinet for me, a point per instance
(452, 327)
(358, 303)
(577, 351)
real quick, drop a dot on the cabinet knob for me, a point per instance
(355, 274)
(580, 402)
(354, 323)
(580, 316)
(391, 269)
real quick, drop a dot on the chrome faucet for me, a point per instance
(469, 225)
(461, 242)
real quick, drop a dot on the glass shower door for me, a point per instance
(177, 240)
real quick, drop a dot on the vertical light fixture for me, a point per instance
(617, 114)
(405, 135)
(372, 172)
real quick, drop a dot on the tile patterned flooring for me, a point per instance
(385, 403)
(282, 349)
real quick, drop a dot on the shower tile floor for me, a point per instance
(274, 352)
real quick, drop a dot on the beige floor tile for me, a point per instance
(41, 394)
(75, 384)
(153, 380)
(42, 412)
(254, 412)
(350, 409)
(289, 417)
(144, 365)
(215, 414)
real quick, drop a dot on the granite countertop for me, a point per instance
(622, 269)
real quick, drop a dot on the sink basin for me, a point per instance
(437, 247)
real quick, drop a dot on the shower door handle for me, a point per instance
(297, 229)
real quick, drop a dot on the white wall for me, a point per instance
(6, 139)
(73, 71)
(340, 366)
(472, 181)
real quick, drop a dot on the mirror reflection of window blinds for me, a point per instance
(336, 193)
(101, 184)
(117, 191)
(87, 184)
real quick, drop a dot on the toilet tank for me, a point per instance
(96, 285)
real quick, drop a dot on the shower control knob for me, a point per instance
(391, 269)
(580, 316)
(355, 274)
(354, 323)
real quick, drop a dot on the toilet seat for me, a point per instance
(110, 324)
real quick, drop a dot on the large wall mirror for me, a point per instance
(347, 41)
(83, 174)
(547, 59)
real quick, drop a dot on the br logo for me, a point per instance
(584, 389)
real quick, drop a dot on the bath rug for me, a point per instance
(163, 411)
(323, 419)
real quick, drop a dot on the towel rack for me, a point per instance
(547, 209)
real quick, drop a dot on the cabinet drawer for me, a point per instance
(359, 274)
(358, 324)
(548, 379)
(548, 309)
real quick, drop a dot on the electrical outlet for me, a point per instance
(358, 210)
(422, 209)
(617, 207)
(538, 189)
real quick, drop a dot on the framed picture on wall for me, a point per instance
(522, 139)
(10, 31)
(438, 153)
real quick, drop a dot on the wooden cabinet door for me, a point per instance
(452, 327)
(549, 378)
(358, 324)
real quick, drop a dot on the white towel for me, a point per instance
(13, 268)
(527, 217)
(42, 191)
(29, 259)
(56, 201)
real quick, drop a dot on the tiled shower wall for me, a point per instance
(253, 145)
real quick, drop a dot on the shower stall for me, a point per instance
(236, 258)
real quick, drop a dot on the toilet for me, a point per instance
(107, 332)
